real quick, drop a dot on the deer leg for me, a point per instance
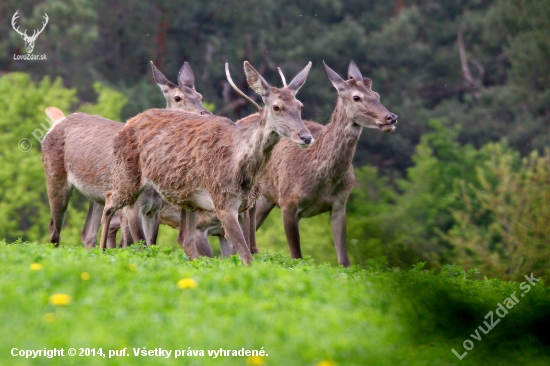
(126, 239)
(263, 208)
(292, 231)
(203, 246)
(92, 224)
(244, 221)
(338, 223)
(187, 231)
(182, 227)
(127, 189)
(252, 231)
(150, 204)
(225, 248)
(113, 228)
(151, 225)
(59, 201)
(108, 213)
(134, 222)
(233, 232)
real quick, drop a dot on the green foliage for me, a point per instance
(409, 49)
(315, 237)
(300, 313)
(210, 106)
(435, 191)
(24, 210)
(403, 221)
(109, 103)
(504, 226)
(483, 208)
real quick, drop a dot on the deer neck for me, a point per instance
(254, 144)
(335, 149)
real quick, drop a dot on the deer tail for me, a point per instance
(55, 114)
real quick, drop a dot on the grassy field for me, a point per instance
(297, 312)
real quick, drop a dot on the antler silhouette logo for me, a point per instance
(29, 41)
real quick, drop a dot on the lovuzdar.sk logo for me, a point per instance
(29, 40)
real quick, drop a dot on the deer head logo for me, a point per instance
(29, 40)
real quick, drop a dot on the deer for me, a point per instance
(159, 212)
(77, 151)
(207, 225)
(307, 182)
(29, 40)
(142, 220)
(205, 163)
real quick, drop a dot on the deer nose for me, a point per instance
(306, 138)
(391, 118)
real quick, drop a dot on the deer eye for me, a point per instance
(177, 99)
(276, 108)
(356, 98)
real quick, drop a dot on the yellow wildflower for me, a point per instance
(37, 267)
(255, 361)
(132, 267)
(187, 283)
(326, 363)
(60, 299)
(84, 276)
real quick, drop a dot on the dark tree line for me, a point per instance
(497, 87)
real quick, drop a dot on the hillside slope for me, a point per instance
(297, 312)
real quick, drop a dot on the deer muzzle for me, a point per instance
(306, 139)
(389, 126)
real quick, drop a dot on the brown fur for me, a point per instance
(313, 178)
(77, 152)
(71, 148)
(180, 155)
(213, 167)
(308, 182)
(73, 157)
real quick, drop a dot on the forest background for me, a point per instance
(464, 180)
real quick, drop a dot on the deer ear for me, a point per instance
(335, 79)
(299, 79)
(256, 81)
(161, 80)
(368, 83)
(353, 72)
(186, 76)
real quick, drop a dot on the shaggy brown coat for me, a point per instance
(308, 182)
(213, 167)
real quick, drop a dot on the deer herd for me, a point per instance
(207, 175)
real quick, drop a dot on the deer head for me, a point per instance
(29, 41)
(282, 111)
(182, 96)
(362, 104)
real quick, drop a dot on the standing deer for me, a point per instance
(142, 218)
(29, 41)
(77, 152)
(205, 163)
(308, 182)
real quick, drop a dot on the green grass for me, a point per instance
(299, 312)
